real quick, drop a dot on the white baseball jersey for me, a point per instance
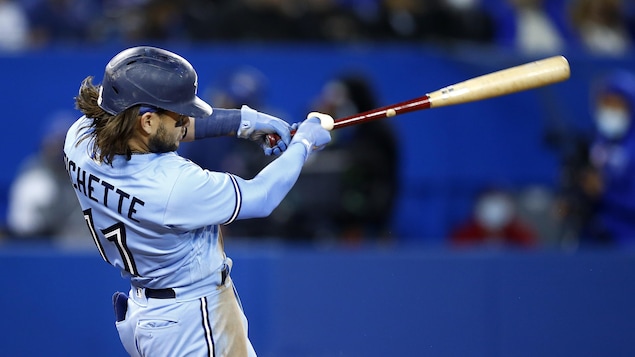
(179, 200)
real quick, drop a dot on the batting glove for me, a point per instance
(255, 126)
(312, 135)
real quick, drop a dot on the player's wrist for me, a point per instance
(306, 144)
(301, 143)
(222, 122)
(248, 122)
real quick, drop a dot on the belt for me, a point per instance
(170, 294)
(160, 293)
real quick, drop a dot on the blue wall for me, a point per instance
(397, 301)
(446, 153)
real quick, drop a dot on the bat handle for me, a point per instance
(272, 139)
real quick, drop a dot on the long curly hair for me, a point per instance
(110, 133)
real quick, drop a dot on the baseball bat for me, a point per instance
(506, 81)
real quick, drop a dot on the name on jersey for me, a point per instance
(112, 197)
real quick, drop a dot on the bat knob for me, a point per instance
(326, 121)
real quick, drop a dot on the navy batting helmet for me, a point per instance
(151, 76)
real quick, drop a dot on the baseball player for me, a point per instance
(156, 216)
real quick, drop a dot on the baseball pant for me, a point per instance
(211, 326)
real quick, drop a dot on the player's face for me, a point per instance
(172, 129)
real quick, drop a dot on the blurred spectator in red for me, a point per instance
(601, 26)
(494, 222)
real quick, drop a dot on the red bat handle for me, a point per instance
(388, 111)
(272, 139)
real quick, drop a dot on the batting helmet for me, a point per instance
(151, 76)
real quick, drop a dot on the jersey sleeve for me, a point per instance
(201, 197)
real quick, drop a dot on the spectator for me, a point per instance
(328, 20)
(360, 169)
(532, 27)
(462, 21)
(494, 222)
(244, 20)
(162, 21)
(402, 20)
(441, 22)
(572, 205)
(42, 205)
(601, 26)
(62, 21)
(536, 206)
(610, 183)
(14, 27)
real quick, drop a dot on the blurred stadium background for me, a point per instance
(407, 294)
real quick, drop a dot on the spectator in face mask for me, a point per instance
(611, 183)
(494, 222)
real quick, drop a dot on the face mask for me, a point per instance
(612, 123)
(494, 212)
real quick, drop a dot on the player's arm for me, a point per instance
(245, 123)
(201, 197)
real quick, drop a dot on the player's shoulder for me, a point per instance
(176, 166)
(78, 127)
(190, 173)
(173, 160)
(81, 124)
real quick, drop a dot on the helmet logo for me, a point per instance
(100, 98)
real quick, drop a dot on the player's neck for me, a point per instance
(137, 146)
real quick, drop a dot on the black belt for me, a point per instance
(160, 293)
(170, 294)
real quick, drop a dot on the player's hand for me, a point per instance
(311, 134)
(255, 126)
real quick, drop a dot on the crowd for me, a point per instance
(600, 26)
(591, 205)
